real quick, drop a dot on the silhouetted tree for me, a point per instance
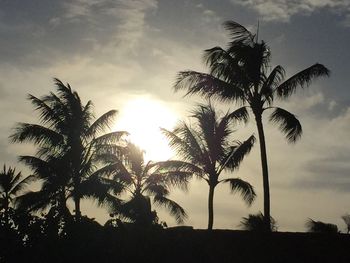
(208, 149)
(142, 181)
(11, 185)
(70, 144)
(320, 227)
(346, 219)
(241, 73)
(257, 223)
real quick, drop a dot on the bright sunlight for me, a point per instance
(143, 117)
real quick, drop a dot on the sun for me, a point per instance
(143, 117)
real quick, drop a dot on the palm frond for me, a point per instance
(288, 124)
(186, 170)
(156, 189)
(98, 189)
(102, 123)
(47, 114)
(208, 86)
(174, 208)
(36, 201)
(271, 83)
(185, 143)
(25, 132)
(244, 188)
(21, 185)
(225, 67)
(302, 79)
(240, 114)
(110, 138)
(236, 154)
(239, 33)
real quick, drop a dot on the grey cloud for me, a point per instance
(38, 34)
(329, 169)
(283, 10)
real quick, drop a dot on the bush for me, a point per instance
(320, 227)
(256, 223)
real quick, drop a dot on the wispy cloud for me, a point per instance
(128, 16)
(283, 10)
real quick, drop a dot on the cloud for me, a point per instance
(62, 30)
(283, 10)
(328, 167)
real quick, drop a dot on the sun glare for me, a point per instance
(143, 117)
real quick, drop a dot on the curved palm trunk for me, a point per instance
(211, 207)
(265, 172)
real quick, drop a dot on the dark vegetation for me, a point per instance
(77, 157)
(320, 227)
(89, 242)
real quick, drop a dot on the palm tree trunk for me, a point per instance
(6, 212)
(211, 207)
(265, 172)
(77, 208)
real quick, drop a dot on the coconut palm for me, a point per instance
(242, 74)
(207, 149)
(11, 185)
(144, 182)
(69, 144)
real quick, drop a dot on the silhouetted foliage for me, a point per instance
(346, 219)
(207, 149)
(11, 185)
(241, 73)
(70, 146)
(256, 223)
(320, 227)
(143, 182)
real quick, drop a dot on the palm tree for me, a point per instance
(11, 185)
(207, 150)
(143, 181)
(70, 145)
(241, 74)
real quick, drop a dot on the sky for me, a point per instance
(125, 54)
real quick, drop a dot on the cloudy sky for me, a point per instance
(124, 54)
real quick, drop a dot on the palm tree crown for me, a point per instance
(241, 73)
(207, 149)
(143, 181)
(70, 145)
(11, 185)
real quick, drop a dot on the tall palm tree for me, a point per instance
(69, 145)
(145, 181)
(207, 150)
(241, 74)
(11, 185)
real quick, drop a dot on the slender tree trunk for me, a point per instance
(6, 212)
(211, 207)
(265, 172)
(77, 208)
